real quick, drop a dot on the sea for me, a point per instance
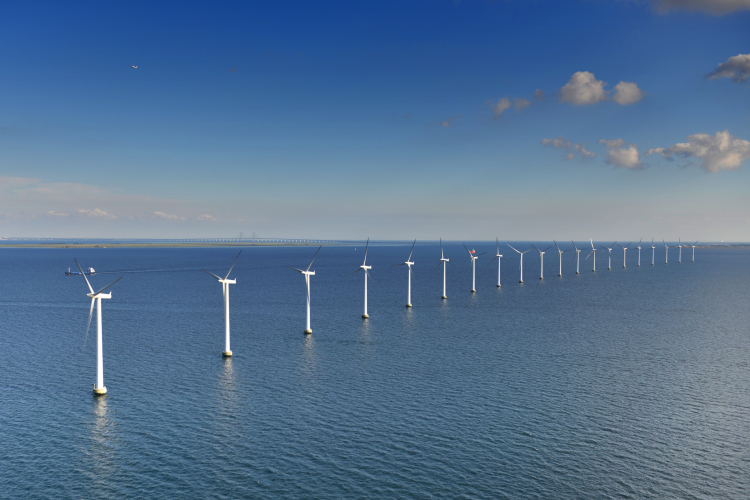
(629, 382)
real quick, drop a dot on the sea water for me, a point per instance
(625, 383)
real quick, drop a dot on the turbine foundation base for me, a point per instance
(100, 392)
(365, 316)
(499, 285)
(227, 354)
(443, 297)
(473, 291)
(408, 305)
(308, 331)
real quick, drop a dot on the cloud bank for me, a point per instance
(717, 152)
(567, 145)
(583, 89)
(736, 67)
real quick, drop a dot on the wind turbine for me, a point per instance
(408, 263)
(499, 257)
(693, 245)
(307, 274)
(225, 282)
(639, 253)
(679, 245)
(541, 260)
(593, 251)
(624, 251)
(559, 252)
(653, 249)
(96, 297)
(610, 253)
(529, 250)
(445, 263)
(666, 252)
(364, 267)
(578, 258)
(473, 256)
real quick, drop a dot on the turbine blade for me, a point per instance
(436, 267)
(233, 263)
(467, 250)
(441, 249)
(558, 248)
(493, 260)
(547, 248)
(535, 248)
(574, 244)
(412, 250)
(477, 255)
(102, 289)
(91, 312)
(313, 259)
(358, 270)
(368, 275)
(529, 250)
(402, 264)
(294, 268)
(212, 274)
(513, 248)
(367, 245)
(84, 276)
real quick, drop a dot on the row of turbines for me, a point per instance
(97, 296)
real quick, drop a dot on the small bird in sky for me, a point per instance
(134, 67)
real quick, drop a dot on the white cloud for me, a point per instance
(717, 152)
(572, 148)
(448, 122)
(95, 213)
(583, 88)
(16, 182)
(627, 93)
(539, 94)
(162, 215)
(499, 107)
(52, 213)
(207, 217)
(737, 68)
(520, 103)
(715, 7)
(620, 156)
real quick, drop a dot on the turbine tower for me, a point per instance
(473, 256)
(639, 253)
(364, 267)
(225, 282)
(578, 258)
(679, 245)
(541, 260)
(624, 251)
(307, 274)
(499, 257)
(693, 245)
(592, 252)
(653, 249)
(445, 263)
(96, 297)
(559, 252)
(610, 253)
(666, 252)
(408, 263)
(520, 280)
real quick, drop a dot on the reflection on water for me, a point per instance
(100, 462)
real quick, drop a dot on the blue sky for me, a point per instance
(383, 119)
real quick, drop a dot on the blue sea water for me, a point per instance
(624, 383)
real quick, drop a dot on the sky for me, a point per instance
(470, 119)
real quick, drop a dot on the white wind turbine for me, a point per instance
(520, 280)
(225, 282)
(473, 256)
(624, 251)
(666, 252)
(96, 297)
(541, 260)
(693, 245)
(610, 253)
(639, 253)
(307, 274)
(408, 263)
(559, 252)
(499, 257)
(364, 267)
(578, 257)
(445, 263)
(653, 250)
(593, 252)
(679, 245)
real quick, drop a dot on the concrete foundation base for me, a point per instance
(498, 286)
(408, 305)
(443, 296)
(227, 354)
(365, 316)
(308, 331)
(473, 291)
(100, 392)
